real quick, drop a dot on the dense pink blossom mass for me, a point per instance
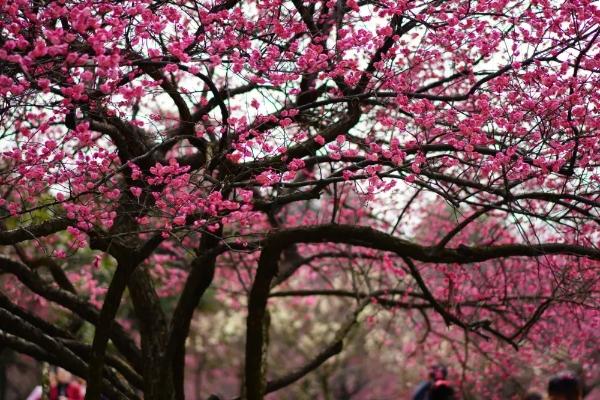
(301, 199)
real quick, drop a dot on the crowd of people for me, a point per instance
(564, 386)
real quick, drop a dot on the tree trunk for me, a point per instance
(158, 377)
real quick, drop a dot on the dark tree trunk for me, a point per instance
(158, 376)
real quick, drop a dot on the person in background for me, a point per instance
(441, 390)
(533, 396)
(565, 386)
(437, 372)
(65, 388)
(62, 387)
(83, 387)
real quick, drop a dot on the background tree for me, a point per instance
(435, 158)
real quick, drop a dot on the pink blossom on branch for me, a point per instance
(178, 174)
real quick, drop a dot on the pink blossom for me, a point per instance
(136, 191)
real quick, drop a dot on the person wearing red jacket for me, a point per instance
(65, 387)
(62, 387)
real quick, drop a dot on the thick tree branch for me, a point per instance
(111, 303)
(33, 232)
(198, 281)
(369, 237)
(254, 388)
(128, 260)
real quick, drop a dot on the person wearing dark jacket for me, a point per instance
(441, 390)
(565, 386)
(533, 396)
(437, 372)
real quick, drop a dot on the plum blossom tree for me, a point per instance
(436, 159)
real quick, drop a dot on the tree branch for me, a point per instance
(72, 302)
(32, 232)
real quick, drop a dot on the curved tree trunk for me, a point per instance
(153, 330)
